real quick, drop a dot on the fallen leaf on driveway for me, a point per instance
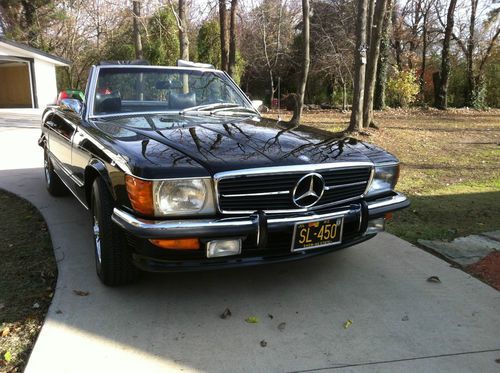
(263, 343)
(347, 324)
(81, 293)
(5, 331)
(434, 279)
(252, 320)
(405, 318)
(225, 314)
(282, 326)
(270, 316)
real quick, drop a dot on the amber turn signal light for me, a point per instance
(178, 244)
(140, 193)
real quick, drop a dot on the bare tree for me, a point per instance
(297, 113)
(136, 10)
(182, 25)
(231, 68)
(356, 122)
(473, 53)
(382, 65)
(371, 67)
(183, 31)
(426, 13)
(223, 35)
(441, 96)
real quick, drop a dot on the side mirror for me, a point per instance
(72, 105)
(257, 104)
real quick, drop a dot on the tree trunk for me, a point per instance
(356, 121)
(442, 88)
(136, 10)
(471, 82)
(183, 31)
(383, 58)
(297, 113)
(223, 35)
(371, 67)
(232, 39)
(424, 55)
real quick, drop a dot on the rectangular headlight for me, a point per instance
(183, 197)
(384, 179)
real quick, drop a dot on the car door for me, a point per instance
(61, 132)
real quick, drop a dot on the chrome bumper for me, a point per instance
(240, 226)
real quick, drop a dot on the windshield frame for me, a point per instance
(95, 75)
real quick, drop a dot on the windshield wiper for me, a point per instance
(208, 107)
(233, 109)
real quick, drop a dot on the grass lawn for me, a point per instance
(27, 277)
(450, 167)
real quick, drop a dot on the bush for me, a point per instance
(402, 88)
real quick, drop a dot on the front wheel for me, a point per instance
(113, 256)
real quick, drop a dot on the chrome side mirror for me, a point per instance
(72, 105)
(257, 104)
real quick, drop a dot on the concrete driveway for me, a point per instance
(400, 322)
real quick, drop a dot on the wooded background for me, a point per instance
(333, 53)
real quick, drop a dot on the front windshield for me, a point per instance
(143, 90)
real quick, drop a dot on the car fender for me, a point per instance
(96, 168)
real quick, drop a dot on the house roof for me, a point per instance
(28, 51)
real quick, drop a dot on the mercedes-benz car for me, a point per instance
(180, 172)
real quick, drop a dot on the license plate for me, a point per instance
(316, 234)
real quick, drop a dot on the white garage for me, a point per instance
(27, 76)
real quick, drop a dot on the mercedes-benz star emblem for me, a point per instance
(308, 190)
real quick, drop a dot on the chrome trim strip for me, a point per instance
(215, 223)
(180, 224)
(387, 201)
(170, 179)
(292, 168)
(255, 194)
(344, 185)
(242, 222)
(286, 169)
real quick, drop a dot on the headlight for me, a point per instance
(384, 179)
(183, 197)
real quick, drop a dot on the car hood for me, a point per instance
(222, 144)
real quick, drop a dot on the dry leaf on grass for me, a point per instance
(226, 314)
(434, 279)
(5, 331)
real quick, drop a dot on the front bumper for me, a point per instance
(260, 232)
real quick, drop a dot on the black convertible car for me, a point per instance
(180, 172)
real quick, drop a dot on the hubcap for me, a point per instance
(97, 239)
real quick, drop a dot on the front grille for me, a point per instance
(273, 191)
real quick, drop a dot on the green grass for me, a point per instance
(447, 213)
(27, 276)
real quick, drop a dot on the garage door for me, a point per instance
(15, 87)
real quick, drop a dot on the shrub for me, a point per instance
(402, 88)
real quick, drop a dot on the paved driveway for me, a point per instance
(171, 322)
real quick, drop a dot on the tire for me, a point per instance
(53, 183)
(113, 256)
